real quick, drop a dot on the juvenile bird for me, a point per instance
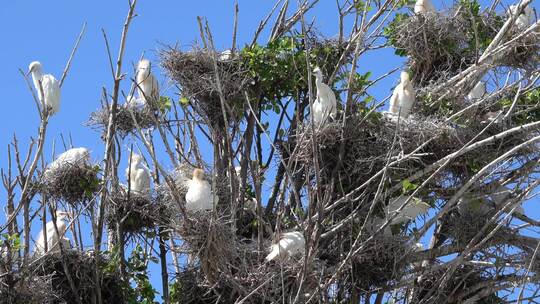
(424, 6)
(147, 85)
(403, 97)
(138, 176)
(289, 244)
(325, 105)
(53, 238)
(199, 195)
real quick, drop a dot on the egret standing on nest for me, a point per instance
(74, 156)
(199, 195)
(289, 244)
(50, 96)
(424, 6)
(138, 176)
(147, 85)
(325, 105)
(403, 97)
(52, 237)
(478, 91)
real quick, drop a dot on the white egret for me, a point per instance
(424, 6)
(50, 96)
(52, 237)
(74, 156)
(403, 97)
(478, 91)
(414, 208)
(226, 55)
(199, 195)
(138, 176)
(147, 85)
(325, 105)
(525, 19)
(289, 244)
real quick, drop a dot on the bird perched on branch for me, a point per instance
(403, 97)
(525, 19)
(199, 195)
(138, 176)
(477, 92)
(53, 238)
(325, 105)
(147, 85)
(49, 91)
(74, 156)
(424, 6)
(289, 244)
(412, 209)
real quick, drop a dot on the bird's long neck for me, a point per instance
(318, 80)
(37, 75)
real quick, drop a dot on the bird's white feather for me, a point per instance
(477, 92)
(325, 105)
(147, 85)
(403, 97)
(199, 196)
(289, 244)
(53, 238)
(412, 209)
(424, 6)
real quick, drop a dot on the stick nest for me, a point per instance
(144, 118)
(46, 275)
(196, 74)
(135, 212)
(72, 182)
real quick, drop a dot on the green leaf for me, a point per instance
(408, 186)
(184, 100)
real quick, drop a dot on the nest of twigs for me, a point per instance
(457, 290)
(196, 73)
(14, 289)
(135, 212)
(128, 119)
(71, 182)
(441, 45)
(81, 268)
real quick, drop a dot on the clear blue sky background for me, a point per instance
(46, 31)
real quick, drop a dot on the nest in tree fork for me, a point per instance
(71, 182)
(195, 72)
(125, 124)
(81, 266)
(135, 212)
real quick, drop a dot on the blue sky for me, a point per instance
(46, 31)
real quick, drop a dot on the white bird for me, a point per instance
(52, 237)
(477, 92)
(289, 244)
(51, 87)
(199, 195)
(525, 19)
(226, 55)
(413, 209)
(138, 176)
(325, 105)
(403, 97)
(417, 247)
(74, 156)
(147, 85)
(424, 6)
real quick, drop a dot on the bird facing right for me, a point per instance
(49, 91)
(54, 238)
(199, 196)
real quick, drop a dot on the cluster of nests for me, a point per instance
(44, 281)
(73, 183)
(442, 45)
(129, 118)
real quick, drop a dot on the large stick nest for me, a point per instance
(125, 124)
(49, 279)
(196, 73)
(135, 212)
(72, 182)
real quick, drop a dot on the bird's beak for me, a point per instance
(28, 73)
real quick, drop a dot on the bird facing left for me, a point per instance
(47, 87)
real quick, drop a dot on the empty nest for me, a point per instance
(125, 124)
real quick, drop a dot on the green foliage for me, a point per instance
(407, 186)
(527, 105)
(12, 240)
(164, 104)
(280, 69)
(478, 30)
(91, 183)
(390, 32)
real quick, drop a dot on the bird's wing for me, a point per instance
(394, 100)
(51, 89)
